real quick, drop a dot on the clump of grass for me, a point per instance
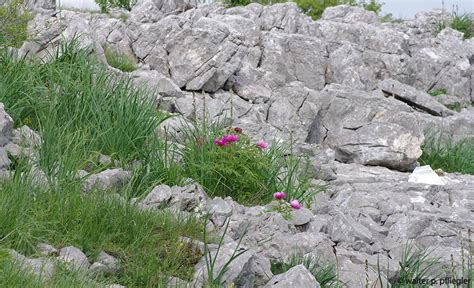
(443, 152)
(461, 22)
(78, 107)
(120, 61)
(325, 274)
(14, 19)
(437, 92)
(417, 264)
(242, 170)
(145, 242)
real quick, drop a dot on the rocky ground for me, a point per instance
(350, 91)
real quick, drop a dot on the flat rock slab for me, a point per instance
(414, 97)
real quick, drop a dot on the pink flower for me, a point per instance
(295, 204)
(279, 195)
(262, 144)
(230, 138)
(238, 130)
(219, 142)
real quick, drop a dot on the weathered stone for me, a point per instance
(73, 257)
(107, 179)
(40, 266)
(6, 126)
(46, 249)
(297, 276)
(301, 216)
(413, 97)
(246, 270)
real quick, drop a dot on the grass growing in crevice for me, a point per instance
(443, 152)
(461, 22)
(146, 243)
(242, 170)
(437, 92)
(325, 274)
(123, 62)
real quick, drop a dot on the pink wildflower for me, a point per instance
(219, 142)
(262, 144)
(295, 204)
(279, 195)
(230, 138)
(238, 129)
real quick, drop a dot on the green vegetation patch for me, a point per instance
(123, 62)
(443, 152)
(13, 23)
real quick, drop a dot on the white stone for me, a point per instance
(425, 175)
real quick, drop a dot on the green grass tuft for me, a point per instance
(120, 61)
(461, 22)
(442, 152)
(437, 92)
(325, 274)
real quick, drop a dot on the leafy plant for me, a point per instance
(120, 61)
(105, 5)
(325, 274)
(14, 19)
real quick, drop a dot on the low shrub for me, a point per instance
(105, 5)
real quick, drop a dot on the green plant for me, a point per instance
(214, 278)
(373, 6)
(417, 264)
(14, 18)
(79, 108)
(437, 92)
(313, 8)
(145, 242)
(240, 168)
(461, 22)
(120, 61)
(440, 151)
(325, 274)
(107, 4)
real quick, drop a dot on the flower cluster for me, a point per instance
(231, 138)
(283, 207)
(280, 196)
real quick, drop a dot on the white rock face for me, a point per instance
(425, 175)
